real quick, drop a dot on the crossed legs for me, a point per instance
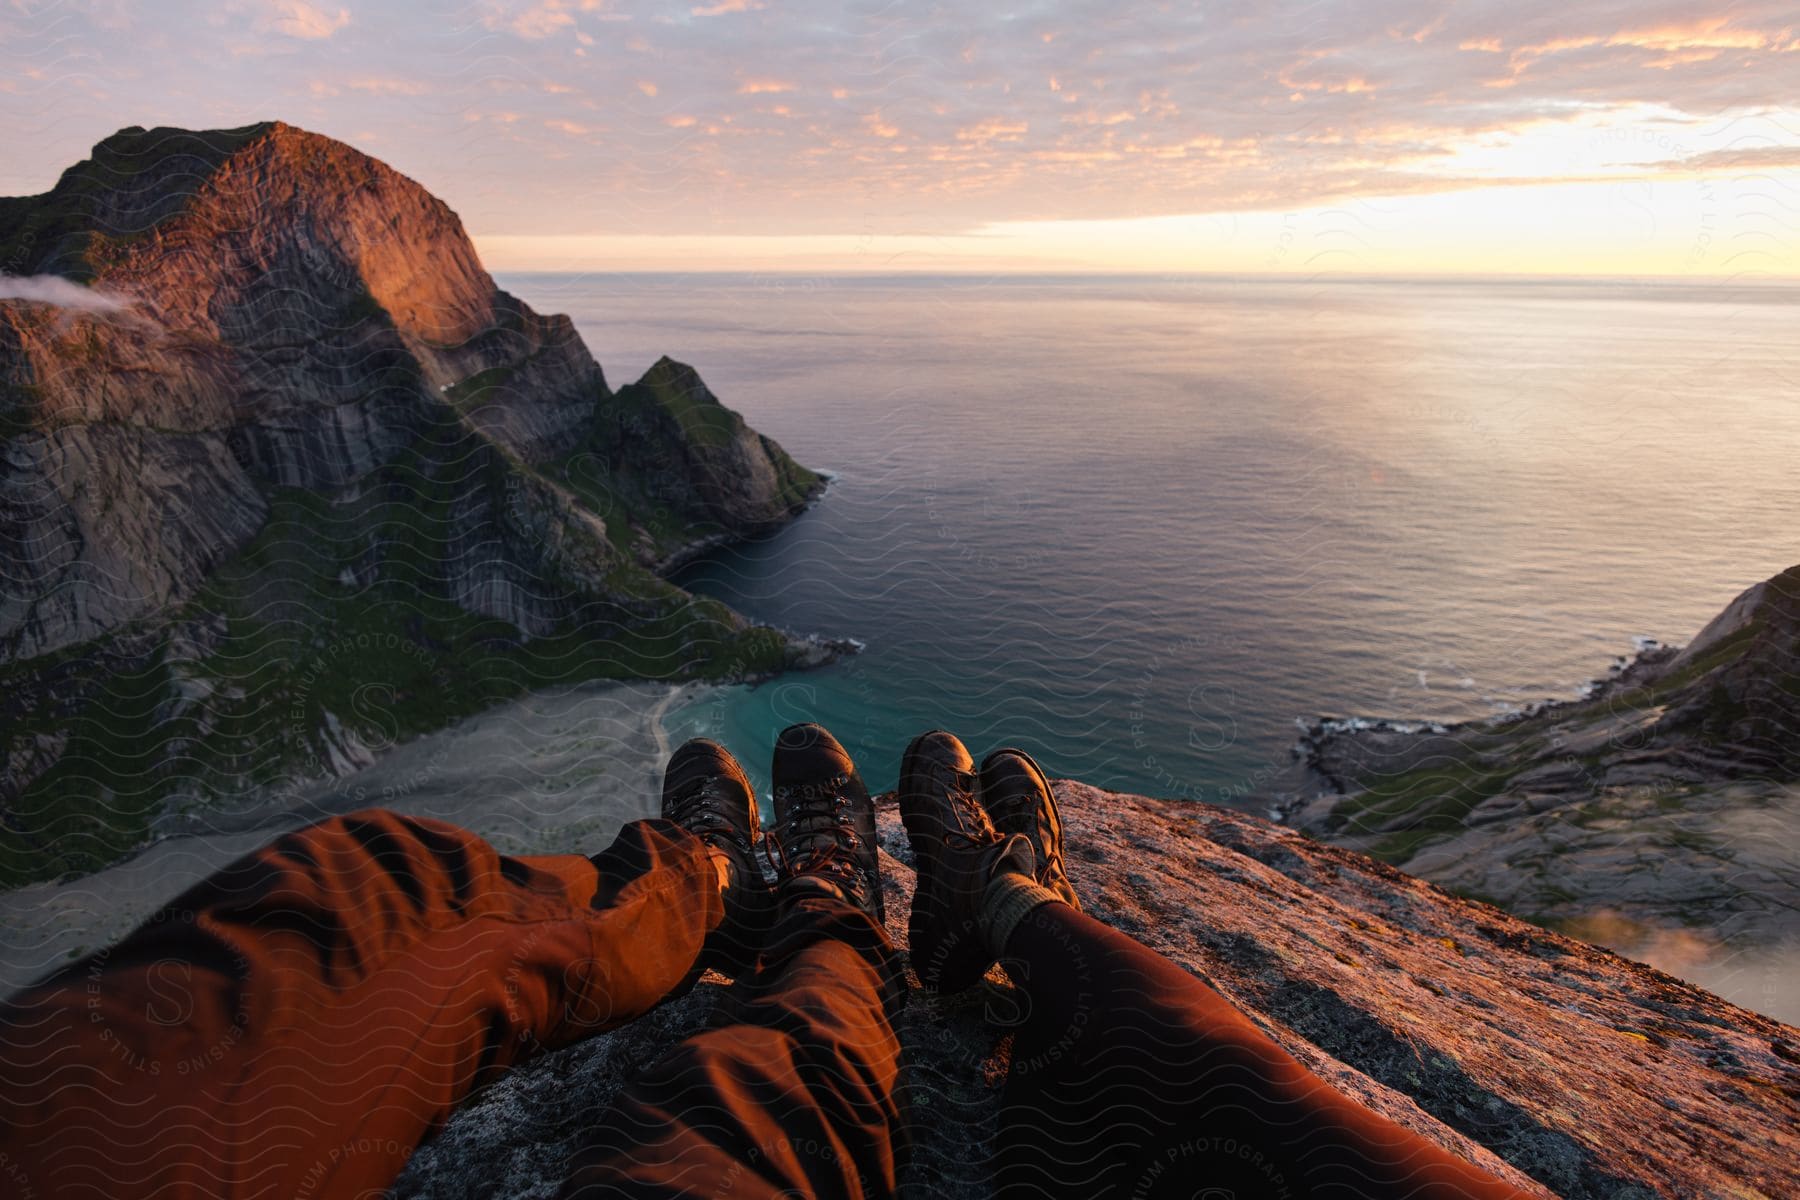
(795, 1096)
(298, 1024)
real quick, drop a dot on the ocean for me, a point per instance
(1139, 526)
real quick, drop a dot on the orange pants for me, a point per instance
(296, 1025)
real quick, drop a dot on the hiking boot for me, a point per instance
(1018, 798)
(956, 851)
(706, 792)
(824, 834)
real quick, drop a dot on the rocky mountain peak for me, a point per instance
(214, 232)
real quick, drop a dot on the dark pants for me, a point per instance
(1131, 1078)
(299, 1023)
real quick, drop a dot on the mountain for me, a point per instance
(285, 477)
(1572, 1071)
(1656, 813)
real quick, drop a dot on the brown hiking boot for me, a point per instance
(706, 792)
(824, 835)
(956, 851)
(1017, 796)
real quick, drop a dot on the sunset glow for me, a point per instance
(1405, 137)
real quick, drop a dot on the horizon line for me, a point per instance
(1751, 280)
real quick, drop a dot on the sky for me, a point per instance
(1362, 137)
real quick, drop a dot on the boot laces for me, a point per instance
(704, 809)
(818, 833)
(970, 828)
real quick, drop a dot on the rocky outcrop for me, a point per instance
(1570, 1070)
(1656, 811)
(668, 440)
(291, 398)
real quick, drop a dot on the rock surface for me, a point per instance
(1573, 1071)
(295, 402)
(1657, 814)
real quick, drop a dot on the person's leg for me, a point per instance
(796, 1095)
(1129, 1077)
(298, 1023)
(1132, 1078)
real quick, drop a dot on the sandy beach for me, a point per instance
(552, 772)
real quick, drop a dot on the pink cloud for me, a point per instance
(298, 19)
(388, 87)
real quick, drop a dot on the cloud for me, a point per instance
(298, 19)
(1747, 158)
(541, 21)
(994, 129)
(1157, 111)
(545, 18)
(1765, 978)
(389, 87)
(1059, 110)
(725, 6)
(63, 293)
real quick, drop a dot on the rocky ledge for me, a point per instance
(1570, 1070)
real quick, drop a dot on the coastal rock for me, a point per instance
(1565, 1068)
(1655, 813)
(667, 447)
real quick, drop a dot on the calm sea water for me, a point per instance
(1139, 526)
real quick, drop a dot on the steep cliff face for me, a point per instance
(1658, 812)
(291, 401)
(1566, 1069)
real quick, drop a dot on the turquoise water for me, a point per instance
(1139, 526)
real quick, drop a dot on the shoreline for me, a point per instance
(548, 773)
(1582, 815)
(1315, 734)
(691, 552)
